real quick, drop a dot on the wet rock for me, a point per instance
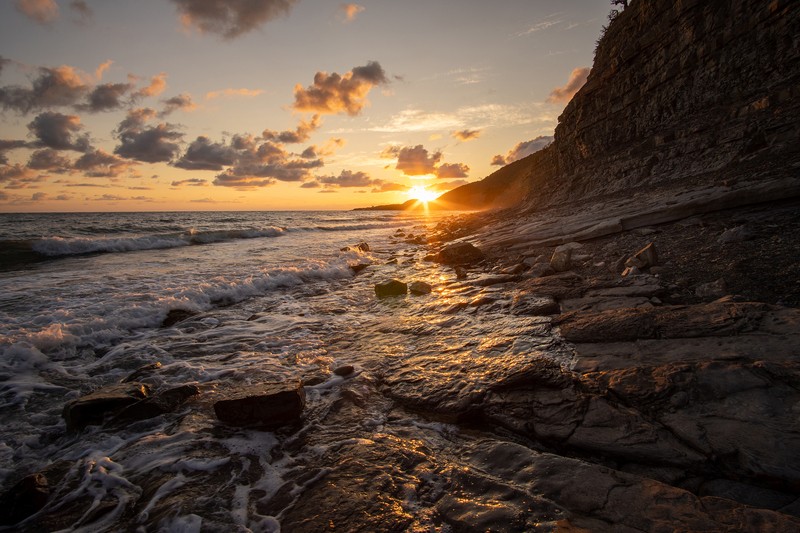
(430, 258)
(390, 288)
(344, 370)
(519, 268)
(158, 404)
(312, 381)
(94, 408)
(462, 253)
(561, 260)
(142, 372)
(736, 234)
(527, 304)
(267, 405)
(24, 499)
(358, 267)
(559, 286)
(360, 247)
(176, 315)
(715, 289)
(420, 288)
(644, 258)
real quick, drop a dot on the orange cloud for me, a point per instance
(230, 19)
(157, 85)
(350, 11)
(41, 11)
(565, 93)
(334, 93)
(233, 92)
(466, 135)
(102, 69)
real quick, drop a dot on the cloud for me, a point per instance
(565, 93)
(106, 97)
(58, 131)
(16, 173)
(334, 93)
(157, 85)
(452, 170)
(466, 135)
(348, 12)
(82, 11)
(230, 18)
(388, 186)
(59, 86)
(415, 160)
(202, 154)
(233, 92)
(6, 145)
(102, 68)
(522, 149)
(444, 186)
(3, 196)
(193, 182)
(49, 159)
(3, 63)
(181, 102)
(301, 133)
(467, 117)
(149, 144)
(41, 11)
(101, 164)
(347, 178)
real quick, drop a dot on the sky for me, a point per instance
(163, 105)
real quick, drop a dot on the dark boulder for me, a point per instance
(461, 253)
(420, 288)
(142, 372)
(390, 288)
(531, 305)
(159, 404)
(176, 315)
(24, 499)
(94, 408)
(358, 267)
(267, 405)
(344, 370)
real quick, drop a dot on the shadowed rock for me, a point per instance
(176, 315)
(390, 288)
(24, 499)
(94, 408)
(159, 404)
(268, 405)
(461, 253)
(420, 288)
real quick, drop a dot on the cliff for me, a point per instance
(681, 92)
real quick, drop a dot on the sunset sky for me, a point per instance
(157, 105)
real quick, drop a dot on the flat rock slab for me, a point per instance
(267, 405)
(462, 253)
(717, 319)
(94, 408)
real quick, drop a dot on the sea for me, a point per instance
(264, 297)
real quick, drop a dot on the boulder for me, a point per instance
(360, 247)
(390, 288)
(344, 370)
(420, 288)
(461, 253)
(159, 404)
(176, 315)
(142, 372)
(461, 272)
(561, 260)
(24, 499)
(358, 267)
(94, 408)
(644, 258)
(267, 405)
(527, 304)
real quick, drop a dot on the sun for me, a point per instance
(421, 194)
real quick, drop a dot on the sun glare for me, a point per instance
(420, 193)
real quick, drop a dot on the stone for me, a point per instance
(313, 381)
(362, 246)
(344, 370)
(390, 288)
(158, 404)
(461, 253)
(561, 260)
(94, 408)
(142, 372)
(461, 272)
(526, 304)
(514, 269)
(267, 405)
(736, 234)
(631, 271)
(358, 267)
(569, 246)
(420, 288)
(715, 289)
(24, 499)
(176, 315)
(531, 261)
(644, 258)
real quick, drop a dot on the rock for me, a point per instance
(358, 267)
(159, 404)
(526, 304)
(362, 246)
(569, 246)
(715, 289)
(24, 499)
(561, 260)
(736, 234)
(531, 261)
(390, 288)
(176, 315)
(94, 408)
(514, 269)
(643, 232)
(142, 372)
(461, 272)
(313, 381)
(461, 253)
(420, 288)
(631, 271)
(268, 405)
(344, 370)
(541, 269)
(430, 258)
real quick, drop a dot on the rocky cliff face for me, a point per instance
(680, 91)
